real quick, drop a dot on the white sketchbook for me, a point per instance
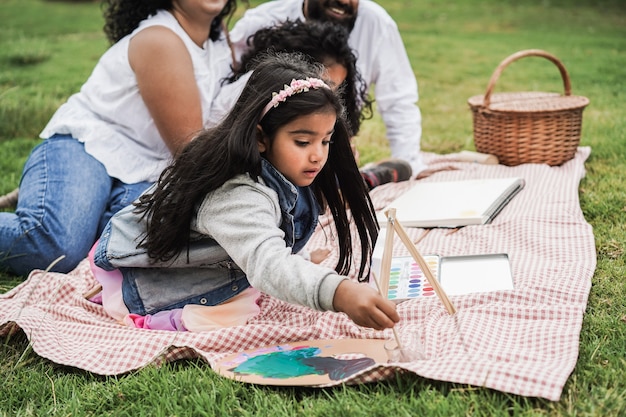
(453, 203)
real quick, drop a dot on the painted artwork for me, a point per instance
(306, 363)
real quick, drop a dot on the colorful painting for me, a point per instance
(306, 363)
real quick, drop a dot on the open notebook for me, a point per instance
(453, 203)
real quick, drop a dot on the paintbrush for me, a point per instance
(394, 224)
(395, 332)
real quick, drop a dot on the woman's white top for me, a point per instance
(226, 98)
(111, 118)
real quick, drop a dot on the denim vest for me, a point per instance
(204, 273)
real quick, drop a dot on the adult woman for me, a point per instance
(148, 96)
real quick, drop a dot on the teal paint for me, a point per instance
(299, 362)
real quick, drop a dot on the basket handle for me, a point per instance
(521, 54)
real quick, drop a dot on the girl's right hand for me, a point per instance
(365, 306)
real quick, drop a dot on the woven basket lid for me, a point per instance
(529, 101)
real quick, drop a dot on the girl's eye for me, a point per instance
(327, 142)
(301, 143)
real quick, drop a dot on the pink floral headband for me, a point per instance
(296, 87)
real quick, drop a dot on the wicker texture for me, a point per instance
(530, 126)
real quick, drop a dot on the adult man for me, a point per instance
(381, 59)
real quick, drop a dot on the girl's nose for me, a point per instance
(317, 152)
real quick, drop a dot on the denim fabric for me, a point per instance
(298, 205)
(118, 247)
(150, 290)
(208, 277)
(66, 198)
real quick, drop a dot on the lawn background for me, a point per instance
(48, 49)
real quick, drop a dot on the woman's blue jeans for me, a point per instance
(66, 198)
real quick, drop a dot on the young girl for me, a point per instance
(239, 203)
(148, 95)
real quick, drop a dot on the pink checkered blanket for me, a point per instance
(523, 341)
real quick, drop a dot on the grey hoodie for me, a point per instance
(243, 233)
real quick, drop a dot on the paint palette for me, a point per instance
(407, 280)
(312, 363)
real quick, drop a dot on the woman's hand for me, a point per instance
(365, 306)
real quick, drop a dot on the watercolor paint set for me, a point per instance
(454, 275)
(407, 280)
(457, 275)
(451, 275)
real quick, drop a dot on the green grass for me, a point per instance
(48, 49)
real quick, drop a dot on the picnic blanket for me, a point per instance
(523, 341)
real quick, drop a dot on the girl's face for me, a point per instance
(300, 148)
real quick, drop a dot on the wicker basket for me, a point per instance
(528, 127)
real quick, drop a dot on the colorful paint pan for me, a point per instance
(407, 280)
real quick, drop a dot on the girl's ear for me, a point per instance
(262, 139)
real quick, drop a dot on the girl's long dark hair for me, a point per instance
(123, 16)
(231, 149)
(321, 41)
